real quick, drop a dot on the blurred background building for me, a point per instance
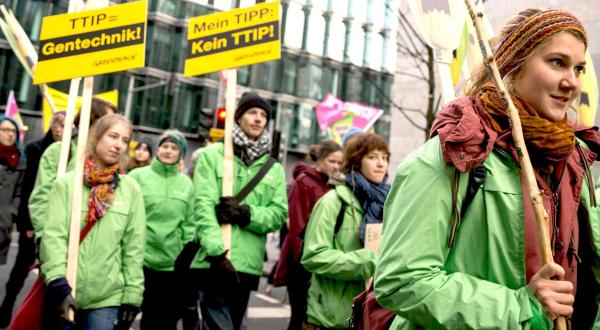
(343, 47)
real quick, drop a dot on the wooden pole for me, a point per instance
(77, 197)
(227, 185)
(533, 191)
(69, 118)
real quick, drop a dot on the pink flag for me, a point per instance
(12, 111)
(329, 111)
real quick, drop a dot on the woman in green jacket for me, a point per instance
(486, 271)
(46, 173)
(110, 279)
(334, 251)
(168, 197)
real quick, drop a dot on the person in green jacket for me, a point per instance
(168, 197)
(443, 266)
(46, 174)
(226, 283)
(110, 278)
(334, 252)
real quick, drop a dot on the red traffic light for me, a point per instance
(221, 113)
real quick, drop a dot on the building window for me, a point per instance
(243, 75)
(189, 9)
(316, 32)
(309, 80)
(264, 76)
(337, 36)
(160, 51)
(356, 45)
(168, 7)
(289, 69)
(304, 128)
(294, 26)
(352, 84)
(374, 52)
(223, 4)
(151, 106)
(189, 106)
(331, 81)
(30, 14)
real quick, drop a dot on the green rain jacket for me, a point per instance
(480, 283)
(267, 202)
(110, 264)
(338, 262)
(168, 197)
(38, 201)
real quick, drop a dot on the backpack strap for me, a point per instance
(340, 217)
(255, 180)
(476, 178)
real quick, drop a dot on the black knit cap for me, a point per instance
(251, 100)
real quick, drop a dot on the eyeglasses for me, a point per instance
(8, 130)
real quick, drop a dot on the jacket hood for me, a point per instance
(467, 137)
(308, 170)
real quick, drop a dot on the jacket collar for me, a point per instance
(164, 169)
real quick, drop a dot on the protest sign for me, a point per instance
(92, 42)
(234, 38)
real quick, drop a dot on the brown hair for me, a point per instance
(98, 110)
(503, 41)
(323, 149)
(99, 129)
(358, 147)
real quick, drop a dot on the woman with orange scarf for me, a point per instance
(110, 279)
(487, 272)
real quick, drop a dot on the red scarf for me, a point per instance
(10, 156)
(103, 184)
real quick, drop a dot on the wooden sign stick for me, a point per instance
(227, 187)
(533, 190)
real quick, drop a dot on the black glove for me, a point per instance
(230, 211)
(186, 256)
(223, 272)
(59, 295)
(126, 316)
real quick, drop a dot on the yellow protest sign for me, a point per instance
(92, 42)
(234, 38)
(61, 99)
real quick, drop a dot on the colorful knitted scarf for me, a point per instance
(527, 36)
(546, 140)
(103, 185)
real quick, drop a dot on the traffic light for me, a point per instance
(220, 115)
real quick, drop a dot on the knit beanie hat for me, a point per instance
(147, 143)
(527, 36)
(175, 136)
(251, 100)
(352, 132)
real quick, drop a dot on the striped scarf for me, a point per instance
(103, 185)
(546, 140)
(250, 149)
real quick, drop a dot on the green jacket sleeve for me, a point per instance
(53, 250)
(269, 218)
(38, 201)
(207, 192)
(188, 226)
(411, 280)
(133, 245)
(320, 254)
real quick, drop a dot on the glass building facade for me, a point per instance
(343, 47)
